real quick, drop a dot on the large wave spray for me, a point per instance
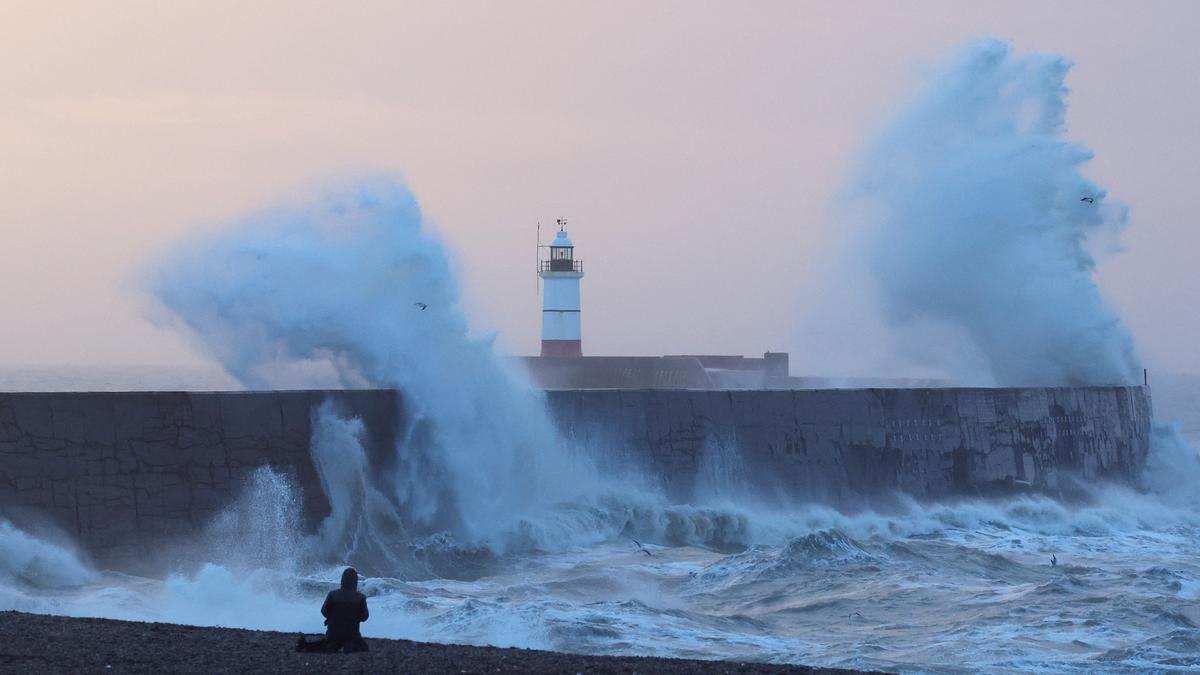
(353, 286)
(979, 232)
(980, 223)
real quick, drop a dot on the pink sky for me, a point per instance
(694, 146)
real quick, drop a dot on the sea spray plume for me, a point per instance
(334, 282)
(363, 525)
(980, 221)
(978, 227)
(266, 512)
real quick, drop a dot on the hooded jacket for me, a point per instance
(345, 608)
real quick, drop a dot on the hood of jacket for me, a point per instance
(350, 579)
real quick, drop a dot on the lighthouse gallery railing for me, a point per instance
(560, 266)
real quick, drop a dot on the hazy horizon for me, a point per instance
(695, 150)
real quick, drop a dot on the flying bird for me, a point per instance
(421, 305)
(640, 547)
(1053, 560)
(1090, 200)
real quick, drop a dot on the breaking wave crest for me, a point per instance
(29, 561)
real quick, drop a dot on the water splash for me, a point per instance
(267, 512)
(978, 237)
(352, 287)
(979, 226)
(33, 562)
(363, 525)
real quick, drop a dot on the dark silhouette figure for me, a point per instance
(343, 610)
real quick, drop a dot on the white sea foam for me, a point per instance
(28, 561)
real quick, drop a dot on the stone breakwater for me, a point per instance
(842, 446)
(122, 472)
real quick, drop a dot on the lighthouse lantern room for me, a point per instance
(561, 334)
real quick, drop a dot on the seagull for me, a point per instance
(854, 614)
(421, 305)
(640, 547)
(1053, 560)
(1090, 200)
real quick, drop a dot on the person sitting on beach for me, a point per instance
(344, 609)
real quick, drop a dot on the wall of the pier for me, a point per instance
(843, 446)
(122, 472)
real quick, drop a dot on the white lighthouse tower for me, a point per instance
(561, 335)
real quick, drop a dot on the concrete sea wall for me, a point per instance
(123, 472)
(845, 446)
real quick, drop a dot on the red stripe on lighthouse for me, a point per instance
(562, 348)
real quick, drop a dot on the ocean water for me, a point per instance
(959, 586)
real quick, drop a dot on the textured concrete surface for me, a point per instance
(120, 472)
(847, 446)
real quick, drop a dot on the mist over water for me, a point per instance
(491, 528)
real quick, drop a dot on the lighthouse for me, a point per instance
(561, 335)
